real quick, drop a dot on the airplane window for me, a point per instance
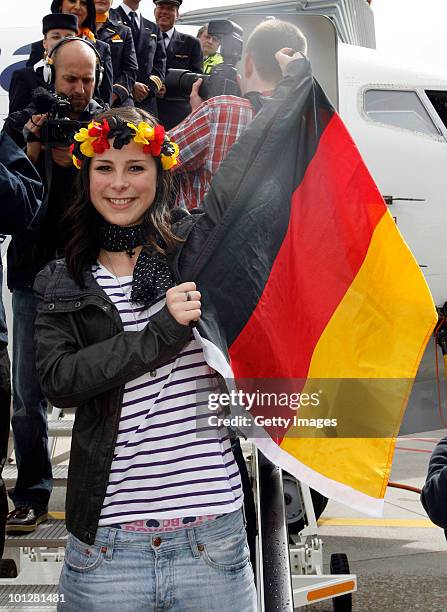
(399, 108)
(439, 101)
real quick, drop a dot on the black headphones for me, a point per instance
(48, 69)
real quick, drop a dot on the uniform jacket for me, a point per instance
(124, 59)
(183, 52)
(105, 90)
(23, 83)
(151, 54)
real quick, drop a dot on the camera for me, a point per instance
(58, 129)
(223, 77)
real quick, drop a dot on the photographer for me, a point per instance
(20, 196)
(75, 65)
(86, 14)
(206, 136)
(26, 80)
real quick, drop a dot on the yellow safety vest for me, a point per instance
(211, 61)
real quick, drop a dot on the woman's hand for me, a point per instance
(183, 303)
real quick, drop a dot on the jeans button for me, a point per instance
(77, 304)
(156, 542)
(50, 306)
(200, 547)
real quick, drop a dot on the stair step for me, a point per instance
(58, 428)
(52, 533)
(60, 475)
(46, 594)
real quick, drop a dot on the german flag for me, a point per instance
(312, 282)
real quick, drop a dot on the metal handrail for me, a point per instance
(274, 540)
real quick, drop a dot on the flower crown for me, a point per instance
(95, 139)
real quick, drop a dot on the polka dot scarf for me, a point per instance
(152, 276)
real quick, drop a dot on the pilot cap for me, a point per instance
(59, 21)
(175, 2)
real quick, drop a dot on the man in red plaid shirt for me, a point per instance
(208, 133)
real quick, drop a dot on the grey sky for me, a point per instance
(412, 28)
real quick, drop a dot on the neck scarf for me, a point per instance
(102, 18)
(87, 33)
(152, 276)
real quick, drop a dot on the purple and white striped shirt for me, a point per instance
(162, 468)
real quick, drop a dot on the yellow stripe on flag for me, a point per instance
(378, 331)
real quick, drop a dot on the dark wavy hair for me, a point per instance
(81, 221)
(90, 21)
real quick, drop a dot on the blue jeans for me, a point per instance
(195, 569)
(29, 415)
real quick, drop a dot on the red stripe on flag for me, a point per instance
(334, 212)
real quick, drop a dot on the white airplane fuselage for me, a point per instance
(406, 163)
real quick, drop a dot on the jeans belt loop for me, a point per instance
(193, 541)
(110, 544)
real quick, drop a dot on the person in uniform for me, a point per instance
(26, 80)
(86, 14)
(122, 48)
(183, 51)
(210, 45)
(151, 54)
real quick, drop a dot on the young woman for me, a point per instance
(86, 13)
(154, 496)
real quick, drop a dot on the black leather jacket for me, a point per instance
(84, 358)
